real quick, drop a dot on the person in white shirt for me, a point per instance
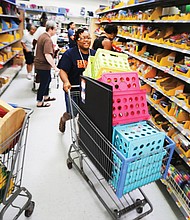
(27, 43)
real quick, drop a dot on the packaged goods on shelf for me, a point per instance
(4, 79)
(182, 143)
(6, 38)
(4, 175)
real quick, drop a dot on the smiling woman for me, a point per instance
(72, 64)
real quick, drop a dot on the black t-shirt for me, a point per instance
(98, 42)
(72, 63)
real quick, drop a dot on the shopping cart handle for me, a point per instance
(29, 110)
(13, 105)
(75, 86)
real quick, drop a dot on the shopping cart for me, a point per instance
(96, 171)
(14, 198)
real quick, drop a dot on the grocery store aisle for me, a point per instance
(59, 193)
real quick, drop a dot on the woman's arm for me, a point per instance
(24, 46)
(51, 61)
(107, 44)
(65, 80)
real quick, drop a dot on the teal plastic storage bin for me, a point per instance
(131, 173)
(137, 139)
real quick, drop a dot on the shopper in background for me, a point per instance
(40, 30)
(43, 62)
(71, 34)
(28, 50)
(28, 25)
(106, 38)
(72, 64)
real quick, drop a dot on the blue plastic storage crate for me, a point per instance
(137, 139)
(131, 173)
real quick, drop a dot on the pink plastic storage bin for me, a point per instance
(121, 81)
(129, 107)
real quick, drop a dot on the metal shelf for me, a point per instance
(8, 44)
(146, 21)
(8, 16)
(172, 120)
(156, 44)
(164, 69)
(10, 2)
(178, 196)
(180, 103)
(185, 159)
(40, 11)
(148, 5)
(3, 63)
(9, 30)
(11, 73)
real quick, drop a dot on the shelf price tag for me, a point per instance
(166, 70)
(178, 204)
(188, 162)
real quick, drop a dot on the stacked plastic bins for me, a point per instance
(143, 153)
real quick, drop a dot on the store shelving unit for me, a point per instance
(10, 13)
(162, 68)
(35, 14)
(147, 5)
(176, 195)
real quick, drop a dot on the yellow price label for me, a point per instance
(178, 204)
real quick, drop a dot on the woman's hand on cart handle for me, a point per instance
(66, 86)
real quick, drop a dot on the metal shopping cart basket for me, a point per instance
(14, 198)
(104, 174)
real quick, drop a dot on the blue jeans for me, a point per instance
(45, 79)
(68, 108)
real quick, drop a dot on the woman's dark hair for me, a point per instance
(43, 19)
(69, 24)
(27, 20)
(111, 29)
(78, 32)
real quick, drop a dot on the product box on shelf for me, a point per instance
(18, 60)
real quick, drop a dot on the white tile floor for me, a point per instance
(59, 193)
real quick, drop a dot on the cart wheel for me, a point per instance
(30, 209)
(69, 164)
(139, 209)
(117, 213)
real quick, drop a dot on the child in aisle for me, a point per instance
(72, 64)
(27, 43)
